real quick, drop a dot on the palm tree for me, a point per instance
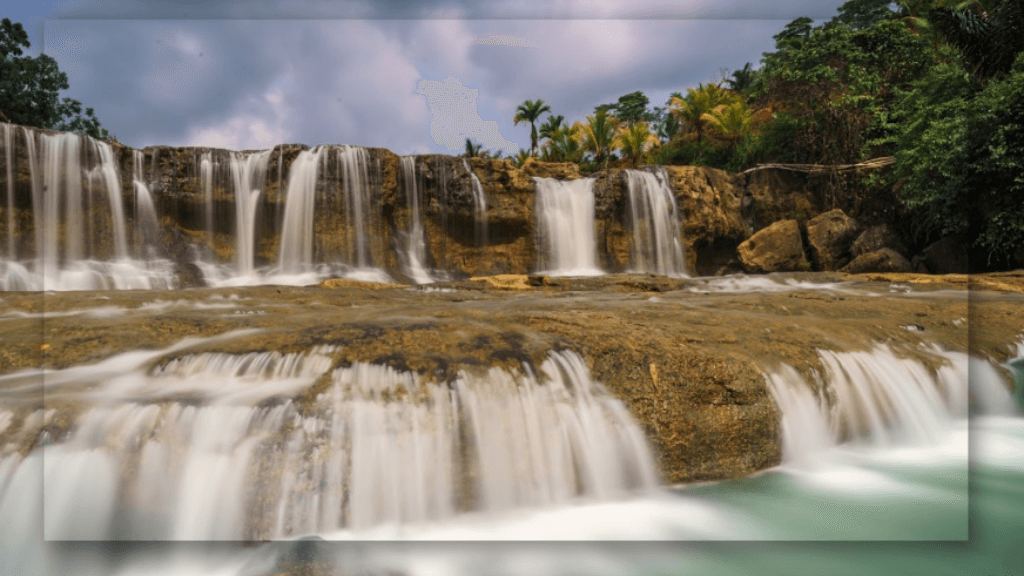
(988, 38)
(530, 111)
(598, 134)
(741, 79)
(634, 140)
(732, 120)
(472, 149)
(552, 124)
(694, 111)
(564, 144)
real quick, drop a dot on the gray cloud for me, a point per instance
(251, 83)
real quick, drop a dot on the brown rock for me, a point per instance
(883, 260)
(777, 248)
(875, 238)
(559, 170)
(947, 256)
(830, 235)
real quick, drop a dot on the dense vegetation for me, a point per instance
(30, 89)
(936, 84)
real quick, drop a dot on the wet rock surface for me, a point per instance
(686, 356)
(777, 248)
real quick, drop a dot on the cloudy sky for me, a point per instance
(411, 76)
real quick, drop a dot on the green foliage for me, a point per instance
(631, 107)
(961, 157)
(30, 89)
(794, 34)
(839, 85)
(530, 111)
(988, 40)
(861, 14)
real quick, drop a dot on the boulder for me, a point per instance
(875, 238)
(777, 248)
(883, 260)
(830, 235)
(947, 256)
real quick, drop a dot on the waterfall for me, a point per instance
(147, 223)
(248, 173)
(206, 176)
(479, 206)
(565, 219)
(877, 398)
(354, 162)
(212, 446)
(416, 248)
(654, 220)
(11, 176)
(296, 254)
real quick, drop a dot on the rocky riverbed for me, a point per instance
(686, 356)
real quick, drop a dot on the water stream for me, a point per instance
(565, 211)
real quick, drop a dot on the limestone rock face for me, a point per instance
(777, 248)
(710, 213)
(830, 236)
(559, 170)
(875, 238)
(883, 260)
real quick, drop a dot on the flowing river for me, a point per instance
(250, 431)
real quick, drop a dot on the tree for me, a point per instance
(989, 40)
(694, 110)
(30, 88)
(635, 140)
(733, 121)
(741, 79)
(564, 144)
(631, 107)
(598, 134)
(861, 14)
(472, 150)
(960, 158)
(794, 34)
(530, 111)
(551, 125)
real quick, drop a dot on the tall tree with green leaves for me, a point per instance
(598, 134)
(530, 111)
(694, 110)
(960, 159)
(551, 125)
(741, 79)
(635, 139)
(30, 88)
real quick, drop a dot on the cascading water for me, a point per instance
(296, 254)
(147, 222)
(479, 205)
(73, 248)
(8, 130)
(206, 176)
(565, 214)
(355, 178)
(654, 220)
(416, 246)
(210, 447)
(874, 398)
(248, 174)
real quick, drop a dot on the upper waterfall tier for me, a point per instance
(83, 214)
